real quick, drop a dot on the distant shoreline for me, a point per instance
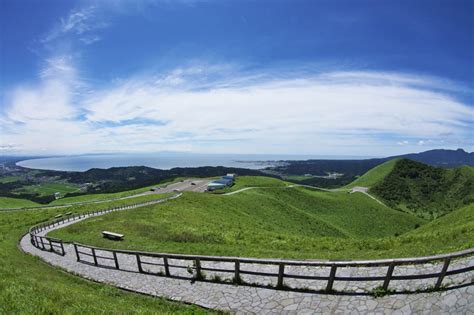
(164, 161)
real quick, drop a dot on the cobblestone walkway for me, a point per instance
(246, 299)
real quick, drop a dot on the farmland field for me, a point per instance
(46, 189)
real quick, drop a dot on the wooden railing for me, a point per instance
(141, 261)
(196, 265)
(57, 245)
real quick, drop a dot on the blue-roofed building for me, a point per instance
(224, 181)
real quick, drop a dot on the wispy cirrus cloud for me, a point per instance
(82, 23)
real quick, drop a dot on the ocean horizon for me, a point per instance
(166, 161)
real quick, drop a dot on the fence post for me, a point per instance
(388, 277)
(167, 267)
(237, 272)
(139, 263)
(50, 245)
(442, 273)
(42, 243)
(198, 269)
(281, 272)
(332, 274)
(115, 260)
(62, 248)
(77, 252)
(94, 256)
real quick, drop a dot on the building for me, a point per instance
(224, 181)
(213, 186)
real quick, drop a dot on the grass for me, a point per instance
(278, 223)
(254, 181)
(6, 202)
(427, 191)
(99, 197)
(298, 177)
(9, 179)
(47, 189)
(29, 286)
(374, 176)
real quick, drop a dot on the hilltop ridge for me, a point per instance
(424, 190)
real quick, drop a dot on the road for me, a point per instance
(190, 184)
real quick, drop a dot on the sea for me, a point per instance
(166, 160)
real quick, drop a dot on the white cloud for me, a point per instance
(50, 99)
(81, 23)
(332, 113)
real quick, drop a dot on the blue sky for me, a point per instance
(296, 77)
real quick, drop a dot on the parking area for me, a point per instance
(191, 184)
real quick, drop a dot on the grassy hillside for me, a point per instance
(452, 232)
(375, 175)
(427, 191)
(293, 222)
(253, 181)
(6, 202)
(29, 286)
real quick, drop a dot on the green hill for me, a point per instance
(427, 191)
(7, 202)
(374, 175)
(30, 286)
(270, 222)
(452, 232)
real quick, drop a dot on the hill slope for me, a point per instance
(7, 203)
(271, 222)
(374, 175)
(425, 190)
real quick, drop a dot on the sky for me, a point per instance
(366, 77)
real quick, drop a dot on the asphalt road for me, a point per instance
(191, 184)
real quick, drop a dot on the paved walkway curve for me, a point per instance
(247, 299)
(364, 191)
(281, 187)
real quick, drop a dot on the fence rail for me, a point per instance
(194, 263)
(281, 273)
(57, 245)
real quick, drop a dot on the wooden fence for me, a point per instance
(196, 265)
(56, 245)
(282, 267)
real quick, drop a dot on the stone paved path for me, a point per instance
(246, 299)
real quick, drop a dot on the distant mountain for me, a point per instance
(441, 157)
(354, 168)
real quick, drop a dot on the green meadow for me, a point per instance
(7, 202)
(273, 220)
(30, 286)
(279, 223)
